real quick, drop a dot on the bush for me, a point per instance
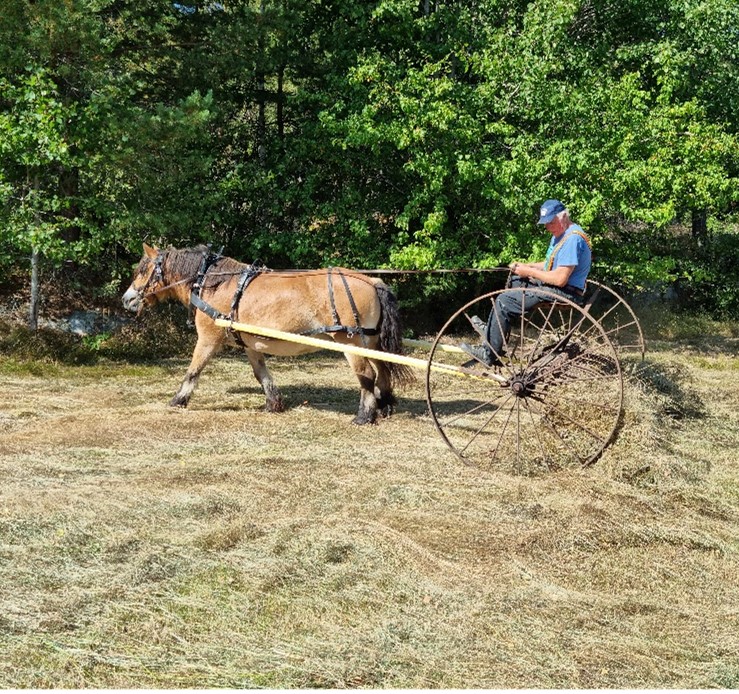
(44, 345)
(157, 334)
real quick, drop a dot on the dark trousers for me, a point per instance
(511, 305)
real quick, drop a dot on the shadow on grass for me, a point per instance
(325, 398)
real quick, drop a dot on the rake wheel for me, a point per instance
(618, 320)
(555, 402)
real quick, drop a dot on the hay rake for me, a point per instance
(556, 400)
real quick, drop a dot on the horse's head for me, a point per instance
(148, 278)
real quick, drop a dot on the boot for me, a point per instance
(479, 325)
(481, 355)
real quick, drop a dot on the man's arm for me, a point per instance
(557, 277)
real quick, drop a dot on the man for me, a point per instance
(564, 272)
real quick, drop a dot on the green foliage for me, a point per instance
(709, 277)
(88, 161)
(417, 135)
(33, 145)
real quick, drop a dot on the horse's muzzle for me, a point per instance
(132, 300)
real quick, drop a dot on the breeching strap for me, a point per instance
(338, 326)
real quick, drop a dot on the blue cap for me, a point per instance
(549, 210)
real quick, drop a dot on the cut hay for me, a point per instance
(222, 546)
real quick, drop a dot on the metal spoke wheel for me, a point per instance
(554, 402)
(617, 318)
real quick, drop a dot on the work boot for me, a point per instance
(479, 325)
(480, 354)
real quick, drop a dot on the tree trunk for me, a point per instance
(261, 93)
(35, 291)
(35, 259)
(699, 226)
(280, 105)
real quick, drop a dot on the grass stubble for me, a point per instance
(223, 546)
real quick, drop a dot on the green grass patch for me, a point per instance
(664, 323)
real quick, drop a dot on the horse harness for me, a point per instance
(247, 276)
(338, 326)
(196, 302)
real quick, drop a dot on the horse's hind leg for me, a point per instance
(205, 349)
(383, 389)
(367, 401)
(262, 374)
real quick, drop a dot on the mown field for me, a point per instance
(222, 546)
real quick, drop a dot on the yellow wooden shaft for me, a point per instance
(423, 344)
(320, 343)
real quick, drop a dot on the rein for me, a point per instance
(169, 286)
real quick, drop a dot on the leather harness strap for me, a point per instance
(338, 326)
(355, 312)
(246, 277)
(249, 273)
(208, 261)
(197, 303)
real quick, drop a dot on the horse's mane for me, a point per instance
(185, 262)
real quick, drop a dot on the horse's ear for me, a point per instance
(150, 252)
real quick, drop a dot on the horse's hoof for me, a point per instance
(361, 421)
(275, 406)
(179, 403)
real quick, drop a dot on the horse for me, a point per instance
(332, 303)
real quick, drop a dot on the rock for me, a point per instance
(87, 323)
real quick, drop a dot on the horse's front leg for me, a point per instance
(262, 374)
(367, 401)
(207, 346)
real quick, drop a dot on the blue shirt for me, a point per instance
(574, 250)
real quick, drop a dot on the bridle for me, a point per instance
(157, 277)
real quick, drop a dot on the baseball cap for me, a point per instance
(549, 210)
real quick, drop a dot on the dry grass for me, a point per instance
(223, 546)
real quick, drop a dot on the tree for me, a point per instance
(409, 133)
(498, 106)
(90, 159)
(34, 148)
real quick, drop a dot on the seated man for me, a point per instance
(564, 272)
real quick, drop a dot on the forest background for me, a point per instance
(400, 134)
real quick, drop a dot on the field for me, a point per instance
(223, 546)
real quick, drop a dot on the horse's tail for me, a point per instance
(391, 334)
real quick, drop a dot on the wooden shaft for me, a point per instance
(320, 343)
(423, 344)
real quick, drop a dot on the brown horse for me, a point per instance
(333, 303)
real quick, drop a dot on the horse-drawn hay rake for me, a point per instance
(555, 401)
